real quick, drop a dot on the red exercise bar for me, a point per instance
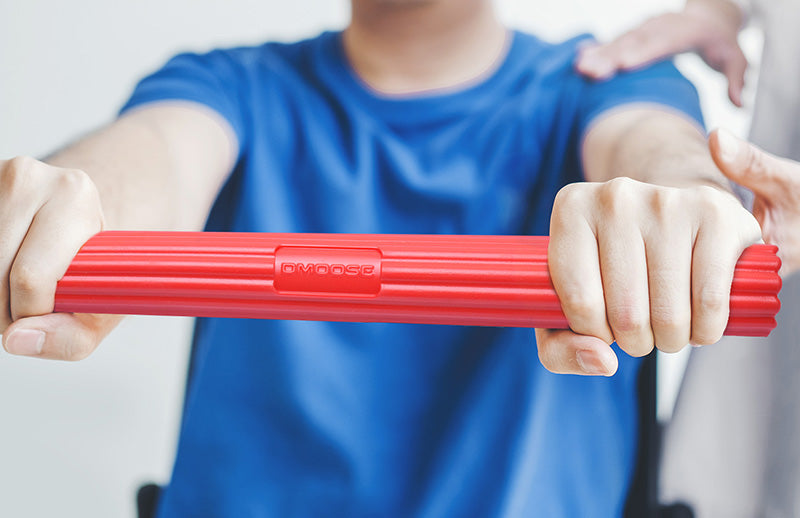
(427, 279)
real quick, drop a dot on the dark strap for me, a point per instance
(676, 511)
(147, 500)
(642, 499)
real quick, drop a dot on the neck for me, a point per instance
(411, 46)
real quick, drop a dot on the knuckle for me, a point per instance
(712, 300)
(16, 172)
(663, 203)
(715, 209)
(670, 310)
(568, 206)
(750, 229)
(672, 330)
(568, 195)
(29, 290)
(631, 328)
(25, 280)
(76, 183)
(707, 193)
(616, 194)
(628, 320)
(22, 163)
(619, 185)
(581, 306)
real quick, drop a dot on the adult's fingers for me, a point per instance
(734, 69)
(656, 39)
(58, 336)
(766, 175)
(597, 61)
(565, 352)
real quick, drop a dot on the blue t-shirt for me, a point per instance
(286, 418)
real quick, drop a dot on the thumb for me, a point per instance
(58, 336)
(735, 70)
(749, 166)
(566, 352)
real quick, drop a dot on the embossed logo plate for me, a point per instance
(353, 271)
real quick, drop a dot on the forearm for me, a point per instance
(157, 168)
(652, 146)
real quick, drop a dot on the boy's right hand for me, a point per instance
(643, 265)
(46, 214)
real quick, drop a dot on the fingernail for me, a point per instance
(591, 362)
(728, 145)
(25, 342)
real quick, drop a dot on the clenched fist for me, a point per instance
(46, 214)
(643, 265)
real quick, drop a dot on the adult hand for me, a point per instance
(776, 185)
(46, 214)
(643, 265)
(708, 27)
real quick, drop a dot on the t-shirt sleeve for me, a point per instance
(208, 79)
(660, 85)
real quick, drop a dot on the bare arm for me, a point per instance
(159, 167)
(645, 255)
(650, 145)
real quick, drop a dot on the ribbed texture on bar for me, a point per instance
(459, 280)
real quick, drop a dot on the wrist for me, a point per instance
(691, 169)
(699, 180)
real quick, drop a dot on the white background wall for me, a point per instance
(76, 440)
